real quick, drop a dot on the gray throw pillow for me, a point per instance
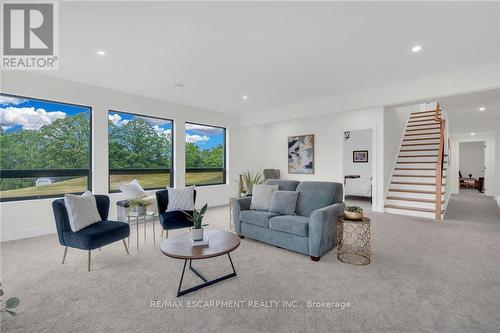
(261, 196)
(82, 210)
(284, 202)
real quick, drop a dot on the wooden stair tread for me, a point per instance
(420, 112)
(407, 156)
(413, 169)
(427, 123)
(417, 134)
(433, 121)
(420, 144)
(415, 183)
(411, 150)
(421, 139)
(390, 197)
(422, 129)
(416, 176)
(412, 191)
(418, 209)
(417, 162)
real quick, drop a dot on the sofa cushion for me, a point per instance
(283, 184)
(257, 217)
(315, 195)
(284, 202)
(293, 224)
(97, 235)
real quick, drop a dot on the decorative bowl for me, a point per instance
(353, 215)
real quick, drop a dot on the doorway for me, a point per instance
(358, 168)
(472, 166)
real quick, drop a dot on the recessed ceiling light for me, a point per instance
(244, 97)
(473, 133)
(416, 48)
(482, 108)
(101, 53)
(179, 85)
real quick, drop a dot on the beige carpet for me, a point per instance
(424, 277)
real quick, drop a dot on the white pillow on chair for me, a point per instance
(180, 199)
(82, 210)
(133, 190)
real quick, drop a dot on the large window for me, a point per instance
(140, 148)
(44, 148)
(205, 154)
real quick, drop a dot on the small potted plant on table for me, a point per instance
(353, 213)
(197, 219)
(139, 206)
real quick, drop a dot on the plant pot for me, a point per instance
(353, 215)
(140, 210)
(197, 234)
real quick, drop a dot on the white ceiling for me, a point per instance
(277, 53)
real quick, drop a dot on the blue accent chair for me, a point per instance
(171, 220)
(92, 237)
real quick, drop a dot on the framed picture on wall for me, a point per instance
(360, 156)
(301, 154)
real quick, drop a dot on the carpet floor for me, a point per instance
(424, 277)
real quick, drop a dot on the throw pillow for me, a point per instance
(133, 190)
(284, 202)
(82, 210)
(261, 196)
(180, 199)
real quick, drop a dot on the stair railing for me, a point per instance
(439, 162)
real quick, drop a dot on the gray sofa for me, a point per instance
(312, 231)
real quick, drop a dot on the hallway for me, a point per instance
(472, 206)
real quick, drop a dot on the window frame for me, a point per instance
(131, 171)
(51, 172)
(196, 170)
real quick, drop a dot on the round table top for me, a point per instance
(343, 219)
(180, 247)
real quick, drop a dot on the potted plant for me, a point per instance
(353, 213)
(250, 179)
(197, 219)
(11, 303)
(139, 206)
(243, 192)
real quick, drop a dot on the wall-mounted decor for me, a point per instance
(301, 154)
(360, 156)
(347, 135)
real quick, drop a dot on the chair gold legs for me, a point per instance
(189, 229)
(125, 244)
(88, 267)
(65, 252)
(166, 234)
(161, 236)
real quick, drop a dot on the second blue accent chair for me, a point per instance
(171, 220)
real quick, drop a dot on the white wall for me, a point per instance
(271, 139)
(472, 159)
(395, 119)
(21, 219)
(358, 140)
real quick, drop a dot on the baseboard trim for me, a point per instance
(497, 198)
(27, 233)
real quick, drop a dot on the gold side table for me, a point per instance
(353, 241)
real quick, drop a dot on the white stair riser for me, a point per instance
(414, 187)
(434, 146)
(410, 213)
(426, 122)
(416, 165)
(419, 159)
(416, 179)
(404, 203)
(421, 130)
(423, 136)
(433, 141)
(417, 153)
(414, 195)
(415, 172)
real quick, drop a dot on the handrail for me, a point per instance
(439, 162)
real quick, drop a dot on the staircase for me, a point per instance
(418, 181)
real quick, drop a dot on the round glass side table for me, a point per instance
(353, 241)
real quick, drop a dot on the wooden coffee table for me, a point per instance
(220, 243)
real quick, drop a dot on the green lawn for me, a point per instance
(80, 184)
